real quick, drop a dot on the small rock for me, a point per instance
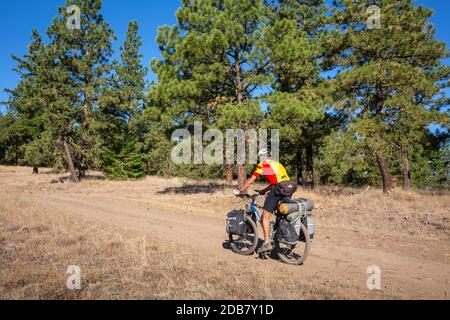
(22, 282)
(25, 230)
(8, 249)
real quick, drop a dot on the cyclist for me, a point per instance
(275, 173)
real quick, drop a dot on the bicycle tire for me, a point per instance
(252, 225)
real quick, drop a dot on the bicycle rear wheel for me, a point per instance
(294, 254)
(246, 244)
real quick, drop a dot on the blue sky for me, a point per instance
(18, 18)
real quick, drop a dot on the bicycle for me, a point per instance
(246, 244)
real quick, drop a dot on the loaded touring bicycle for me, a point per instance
(291, 233)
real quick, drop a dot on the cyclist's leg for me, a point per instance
(266, 225)
(270, 205)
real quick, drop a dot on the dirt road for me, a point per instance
(173, 210)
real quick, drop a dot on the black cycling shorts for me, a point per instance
(272, 202)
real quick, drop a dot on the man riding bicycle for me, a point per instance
(275, 173)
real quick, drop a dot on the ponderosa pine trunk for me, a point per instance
(406, 171)
(385, 175)
(35, 170)
(242, 174)
(310, 181)
(382, 163)
(229, 174)
(300, 177)
(74, 176)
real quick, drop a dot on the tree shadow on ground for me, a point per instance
(67, 179)
(209, 188)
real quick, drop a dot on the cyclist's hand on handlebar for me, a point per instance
(239, 194)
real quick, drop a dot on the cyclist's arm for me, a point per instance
(264, 191)
(248, 184)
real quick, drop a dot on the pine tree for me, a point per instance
(436, 155)
(211, 59)
(343, 161)
(300, 96)
(129, 79)
(27, 105)
(387, 74)
(39, 152)
(122, 107)
(8, 139)
(128, 163)
(77, 74)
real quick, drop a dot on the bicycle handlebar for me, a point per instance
(247, 196)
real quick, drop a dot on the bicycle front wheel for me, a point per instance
(246, 244)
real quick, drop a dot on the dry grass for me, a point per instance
(37, 246)
(417, 213)
(38, 243)
(402, 214)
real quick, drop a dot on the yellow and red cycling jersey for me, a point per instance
(273, 171)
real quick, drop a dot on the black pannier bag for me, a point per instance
(289, 232)
(286, 189)
(236, 222)
(293, 209)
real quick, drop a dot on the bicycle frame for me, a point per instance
(253, 208)
(257, 217)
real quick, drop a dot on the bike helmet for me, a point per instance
(264, 152)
